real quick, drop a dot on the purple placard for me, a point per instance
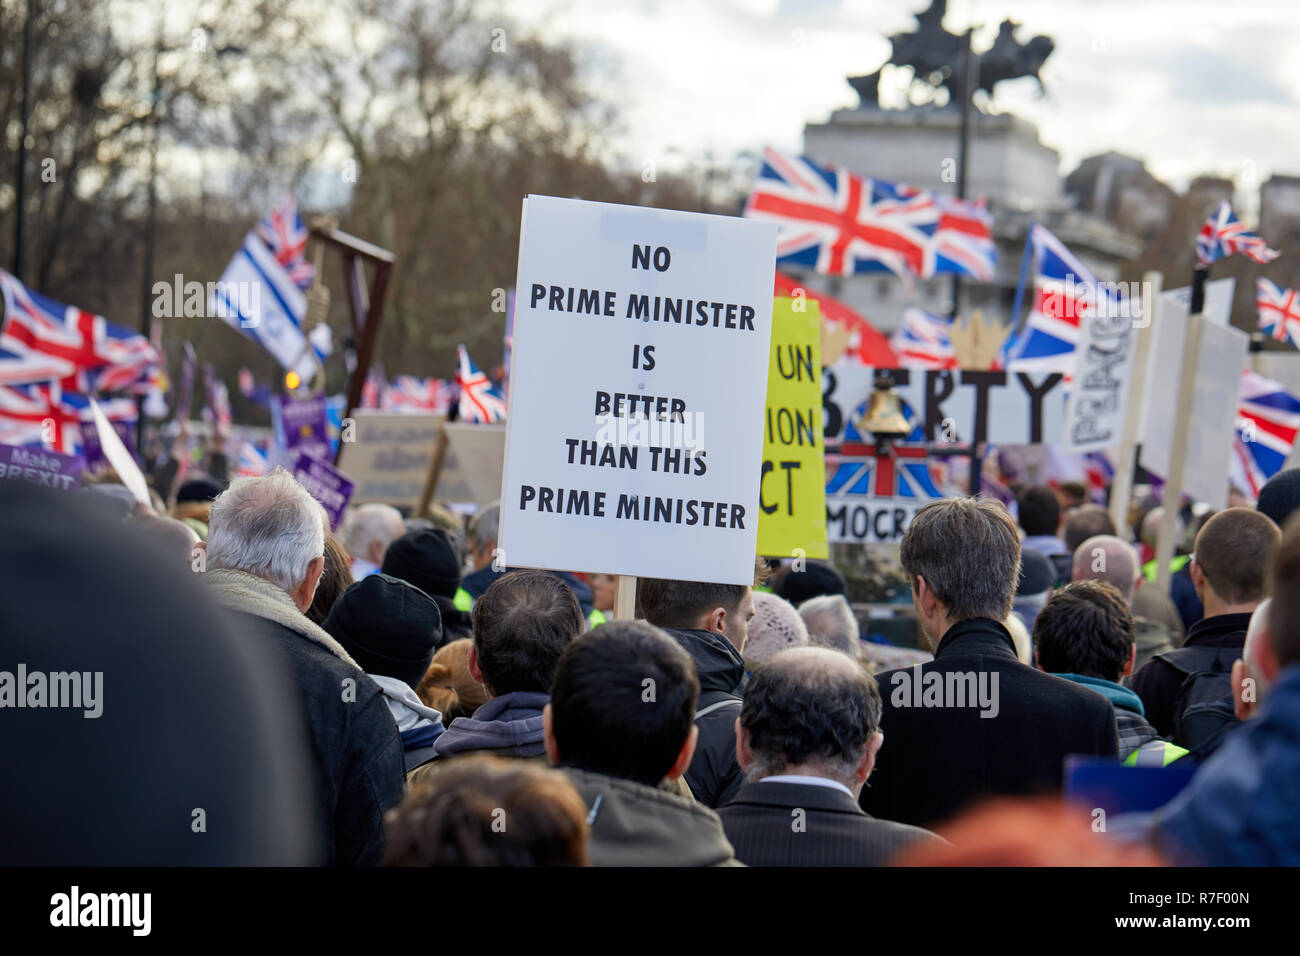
(327, 484)
(303, 425)
(41, 467)
(93, 451)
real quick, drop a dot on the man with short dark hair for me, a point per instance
(1240, 809)
(1279, 499)
(711, 623)
(973, 722)
(807, 740)
(522, 624)
(621, 723)
(1228, 569)
(1085, 635)
(1040, 517)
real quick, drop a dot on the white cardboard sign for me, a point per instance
(1098, 397)
(1214, 408)
(634, 436)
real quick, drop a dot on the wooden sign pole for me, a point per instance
(435, 470)
(625, 598)
(1121, 489)
(1173, 494)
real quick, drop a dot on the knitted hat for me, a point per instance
(1280, 496)
(388, 626)
(199, 489)
(427, 559)
(448, 686)
(1036, 573)
(776, 625)
(816, 579)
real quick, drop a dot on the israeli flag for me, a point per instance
(256, 296)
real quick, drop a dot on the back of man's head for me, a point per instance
(683, 604)
(522, 624)
(1110, 559)
(484, 528)
(1040, 512)
(1280, 496)
(1232, 552)
(1085, 629)
(371, 528)
(623, 702)
(1284, 584)
(831, 623)
(968, 552)
(809, 710)
(1084, 522)
(268, 526)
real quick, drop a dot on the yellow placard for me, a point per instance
(792, 501)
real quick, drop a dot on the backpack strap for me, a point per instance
(726, 700)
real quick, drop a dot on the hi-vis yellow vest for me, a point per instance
(465, 602)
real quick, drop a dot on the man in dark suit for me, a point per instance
(806, 739)
(975, 721)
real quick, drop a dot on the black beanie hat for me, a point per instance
(1280, 496)
(199, 489)
(426, 559)
(813, 581)
(389, 627)
(1036, 573)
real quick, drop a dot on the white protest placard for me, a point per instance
(1010, 408)
(127, 470)
(1168, 332)
(1094, 410)
(866, 518)
(1214, 409)
(638, 377)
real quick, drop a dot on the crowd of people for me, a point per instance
(395, 694)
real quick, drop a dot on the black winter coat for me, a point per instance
(356, 751)
(714, 774)
(937, 760)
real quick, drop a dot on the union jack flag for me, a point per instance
(1223, 234)
(1279, 311)
(1098, 472)
(963, 240)
(1065, 291)
(252, 463)
(924, 341)
(285, 235)
(1268, 419)
(374, 393)
(34, 416)
(858, 468)
(480, 400)
(41, 339)
(408, 393)
(840, 224)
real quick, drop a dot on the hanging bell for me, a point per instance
(884, 415)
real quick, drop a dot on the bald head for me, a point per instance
(1105, 557)
(810, 710)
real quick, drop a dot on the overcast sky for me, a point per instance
(1189, 86)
